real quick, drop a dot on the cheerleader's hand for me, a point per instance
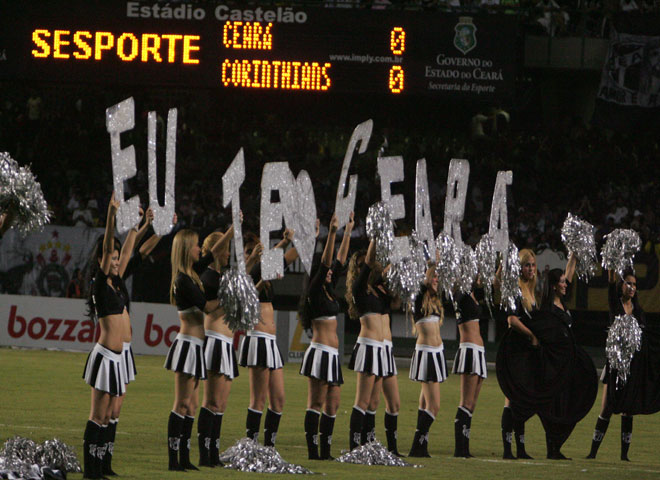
(351, 221)
(258, 250)
(334, 223)
(534, 341)
(149, 217)
(240, 216)
(113, 206)
(175, 219)
(288, 235)
(317, 227)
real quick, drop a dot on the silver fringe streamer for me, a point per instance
(239, 299)
(467, 269)
(246, 455)
(619, 250)
(344, 205)
(578, 237)
(20, 192)
(373, 453)
(510, 289)
(23, 458)
(381, 229)
(624, 338)
(486, 265)
(448, 263)
(404, 278)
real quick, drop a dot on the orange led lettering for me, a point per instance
(236, 74)
(257, 31)
(398, 41)
(188, 48)
(278, 74)
(236, 35)
(100, 44)
(133, 44)
(396, 79)
(268, 38)
(296, 75)
(226, 64)
(41, 43)
(245, 72)
(265, 74)
(171, 46)
(85, 50)
(305, 76)
(153, 48)
(58, 43)
(255, 79)
(247, 36)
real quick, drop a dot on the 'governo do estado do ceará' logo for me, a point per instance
(466, 35)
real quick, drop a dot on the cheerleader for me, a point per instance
(428, 363)
(470, 364)
(108, 301)
(321, 364)
(622, 300)
(510, 421)
(259, 352)
(185, 357)
(127, 358)
(219, 355)
(364, 294)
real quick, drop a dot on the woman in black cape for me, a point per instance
(554, 378)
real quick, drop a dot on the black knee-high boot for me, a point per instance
(271, 426)
(357, 421)
(626, 435)
(599, 434)
(107, 459)
(204, 437)
(312, 433)
(90, 441)
(462, 432)
(174, 428)
(420, 445)
(507, 433)
(391, 425)
(101, 449)
(368, 427)
(252, 423)
(327, 425)
(519, 432)
(214, 450)
(184, 447)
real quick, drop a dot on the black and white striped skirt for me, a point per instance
(128, 363)
(186, 356)
(428, 364)
(322, 362)
(470, 359)
(368, 357)
(390, 364)
(259, 349)
(219, 355)
(103, 370)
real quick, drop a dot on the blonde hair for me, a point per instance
(528, 288)
(431, 304)
(351, 277)
(209, 241)
(182, 261)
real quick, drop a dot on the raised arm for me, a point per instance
(109, 236)
(151, 242)
(342, 254)
(254, 257)
(370, 258)
(291, 254)
(329, 250)
(569, 271)
(126, 251)
(223, 242)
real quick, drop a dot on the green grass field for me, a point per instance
(42, 395)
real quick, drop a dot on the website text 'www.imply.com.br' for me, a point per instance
(353, 57)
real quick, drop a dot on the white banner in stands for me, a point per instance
(61, 323)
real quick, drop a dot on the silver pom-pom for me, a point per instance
(373, 453)
(467, 269)
(578, 237)
(619, 249)
(624, 338)
(448, 263)
(239, 299)
(510, 288)
(21, 193)
(487, 265)
(22, 458)
(404, 279)
(380, 228)
(246, 455)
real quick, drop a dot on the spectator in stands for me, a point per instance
(553, 19)
(75, 288)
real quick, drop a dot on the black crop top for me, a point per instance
(109, 300)
(321, 296)
(419, 301)
(366, 301)
(564, 315)
(211, 282)
(467, 309)
(187, 293)
(267, 294)
(616, 306)
(520, 311)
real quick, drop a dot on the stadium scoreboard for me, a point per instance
(275, 48)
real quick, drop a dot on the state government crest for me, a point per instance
(466, 35)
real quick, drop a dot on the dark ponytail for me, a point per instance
(93, 265)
